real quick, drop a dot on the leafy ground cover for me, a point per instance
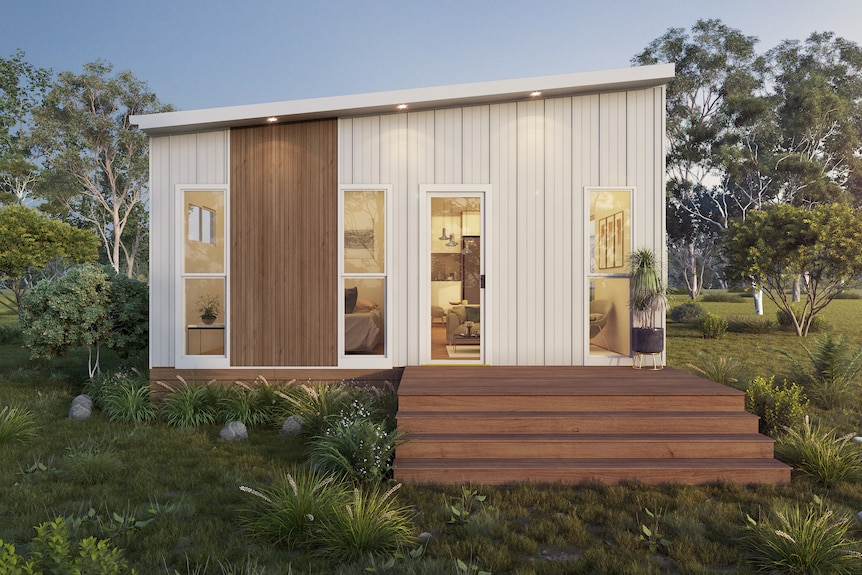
(169, 496)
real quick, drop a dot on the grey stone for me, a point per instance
(857, 439)
(234, 431)
(423, 538)
(80, 411)
(292, 426)
(84, 400)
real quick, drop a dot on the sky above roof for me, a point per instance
(210, 53)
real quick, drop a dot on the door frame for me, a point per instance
(426, 192)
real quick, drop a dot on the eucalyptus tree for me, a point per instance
(84, 131)
(22, 87)
(715, 70)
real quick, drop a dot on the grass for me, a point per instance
(195, 479)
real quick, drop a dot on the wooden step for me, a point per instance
(546, 401)
(574, 471)
(585, 446)
(577, 422)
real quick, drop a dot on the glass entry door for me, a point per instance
(456, 277)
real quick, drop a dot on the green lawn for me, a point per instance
(188, 481)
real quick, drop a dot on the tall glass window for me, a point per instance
(364, 272)
(608, 290)
(204, 272)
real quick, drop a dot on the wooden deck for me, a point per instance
(497, 425)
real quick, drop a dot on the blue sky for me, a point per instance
(210, 53)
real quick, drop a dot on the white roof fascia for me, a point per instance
(415, 99)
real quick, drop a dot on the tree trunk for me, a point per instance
(797, 290)
(693, 288)
(758, 301)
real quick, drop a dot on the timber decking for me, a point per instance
(492, 425)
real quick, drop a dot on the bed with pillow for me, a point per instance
(363, 323)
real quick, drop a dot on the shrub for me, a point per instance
(359, 449)
(804, 540)
(779, 407)
(53, 551)
(127, 400)
(821, 454)
(712, 326)
(785, 322)
(16, 424)
(372, 524)
(289, 511)
(687, 313)
(832, 378)
(243, 403)
(755, 325)
(724, 370)
(316, 404)
(189, 406)
(10, 334)
(848, 295)
(721, 297)
(90, 463)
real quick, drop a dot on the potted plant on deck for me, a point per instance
(647, 298)
(209, 307)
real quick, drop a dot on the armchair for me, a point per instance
(455, 318)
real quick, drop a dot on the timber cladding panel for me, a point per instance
(284, 227)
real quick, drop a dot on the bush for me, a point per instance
(724, 370)
(712, 326)
(821, 454)
(289, 511)
(687, 313)
(372, 524)
(243, 403)
(721, 297)
(754, 325)
(785, 322)
(810, 540)
(317, 404)
(122, 395)
(779, 407)
(10, 334)
(16, 424)
(90, 463)
(189, 406)
(832, 378)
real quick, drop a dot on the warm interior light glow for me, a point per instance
(272, 119)
(535, 94)
(402, 106)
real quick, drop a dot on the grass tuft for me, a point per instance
(16, 424)
(821, 453)
(189, 406)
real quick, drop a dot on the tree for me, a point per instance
(774, 246)
(22, 87)
(92, 306)
(714, 67)
(83, 128)
(34, 246)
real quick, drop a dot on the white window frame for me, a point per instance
(362, 361)
(183, 360)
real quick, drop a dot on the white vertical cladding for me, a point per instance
(558, 230)
(476, 151)
(393, 170)
(201, 158)
(502, 219)
(612, 139)
(530, 272)
(420, 170)
(448, 142)
(366, 150)
(585, 172)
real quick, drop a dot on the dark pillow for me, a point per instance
(350, 295)
(474, 314)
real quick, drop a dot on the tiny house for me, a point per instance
(485, 224)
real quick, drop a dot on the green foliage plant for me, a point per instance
(822, 454)
(712, 326)
(810, 540)
(754, 325)
(289, 511)
(90, 306)
(688, 312)
(188, 405)
(651, 534)
(9, 334)
(465, 506)
(129, 402)
(372, 524)
(785, 321)
(90, 462)
(724, 370)
(252, 406)
(779, 407)
(16, 424)
(53, 551)
(776, 246)
(316, 404)
(647, 292)
(832, 377)
(361, 450)
(29, 242)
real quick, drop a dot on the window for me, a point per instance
(201, 224)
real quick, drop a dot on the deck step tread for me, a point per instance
(590, 414)
(522, 463)
(554, 437)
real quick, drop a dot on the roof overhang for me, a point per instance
(412, 100)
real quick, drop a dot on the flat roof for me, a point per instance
(402, 101)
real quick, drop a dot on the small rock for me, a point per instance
(859, 516)
(79, 411)
(423, 538)
(292, 426)
(234, 431)
(84, 400)
(857, 439)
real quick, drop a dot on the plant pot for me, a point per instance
(208, 320)
(646, 340)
